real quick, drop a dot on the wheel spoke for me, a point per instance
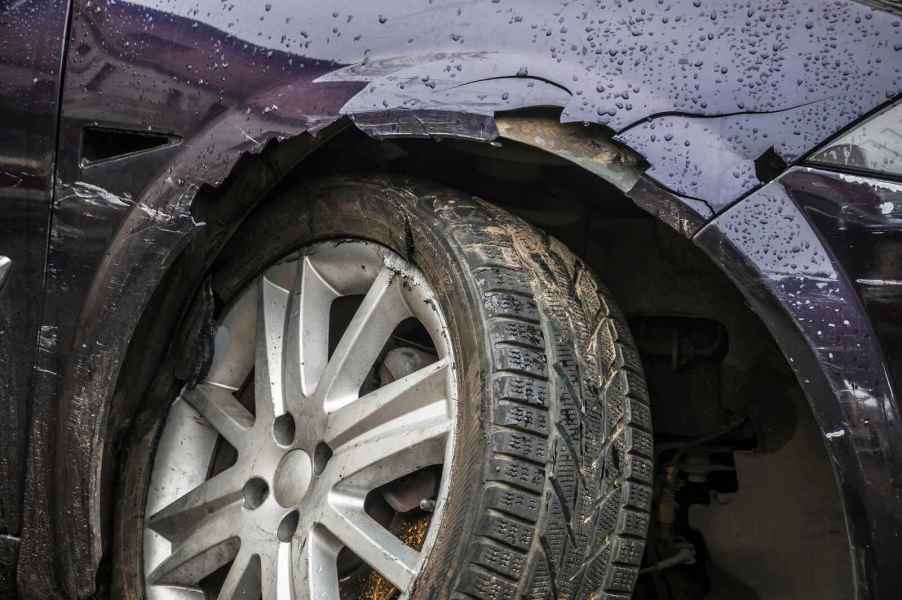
(316, 416)
(373, 543)
(212, 495)
(275, 580)
(210, 545)
(272, 306)
(307, 341)
(243, 580)
(222, 410)
(398, 448)
(400, 397)
(315, 567)
(233, 356)
(381, 310)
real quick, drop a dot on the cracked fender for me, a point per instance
(696, 90)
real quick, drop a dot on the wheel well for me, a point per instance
(714, 372)
(665, 284)
(716, 376)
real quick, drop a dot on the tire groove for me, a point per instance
(565, 507)
(520, 373)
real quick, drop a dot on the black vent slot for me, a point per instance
(103, 143)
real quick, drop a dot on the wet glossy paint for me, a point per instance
(860, 218)
(699, 89)
(691, 85)
(773, 253)
(30, 72)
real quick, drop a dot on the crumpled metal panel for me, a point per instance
(765, 74)
(782, 74)
(714, 158)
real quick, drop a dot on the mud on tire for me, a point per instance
(564, 509)
(550, 488)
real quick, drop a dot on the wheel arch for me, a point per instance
(156, 279)
(141, 243)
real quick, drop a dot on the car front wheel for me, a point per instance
(413, 394)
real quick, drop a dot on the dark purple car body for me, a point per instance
(725, 102)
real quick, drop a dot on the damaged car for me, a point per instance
(545, 299)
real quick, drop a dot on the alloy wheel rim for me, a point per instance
(320, 440)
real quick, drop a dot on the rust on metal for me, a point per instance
(412, 531)
(589, 146)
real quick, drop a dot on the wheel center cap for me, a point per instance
(293, 476)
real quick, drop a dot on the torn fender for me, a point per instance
(698, 89)
(232, 80)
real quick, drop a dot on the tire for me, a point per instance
(550, 489)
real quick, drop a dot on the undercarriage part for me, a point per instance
(412, 492)
(683, 556)
(683, 357)
(718, 494)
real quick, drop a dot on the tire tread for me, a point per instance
(565, 376)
